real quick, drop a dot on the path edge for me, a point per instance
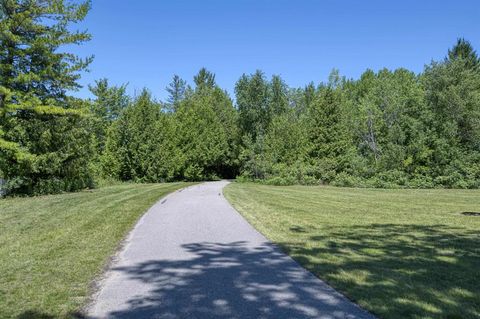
(95, 285)
(282, 250)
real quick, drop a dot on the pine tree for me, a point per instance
(40, 125)
(464, 50)
(204, 79)
(176, 90)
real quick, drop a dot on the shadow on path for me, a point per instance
(232, 280)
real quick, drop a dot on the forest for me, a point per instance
(387, 129)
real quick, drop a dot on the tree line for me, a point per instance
(385, 129)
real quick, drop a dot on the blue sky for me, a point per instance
(144, 42)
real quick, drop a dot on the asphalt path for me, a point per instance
(192, 255)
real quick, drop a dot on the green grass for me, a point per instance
(398, 253)
(52, 247)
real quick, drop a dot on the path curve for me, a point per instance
(193, 256)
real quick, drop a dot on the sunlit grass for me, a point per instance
(52, 247)
(398, 253)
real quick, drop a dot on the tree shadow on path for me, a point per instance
(232, 280)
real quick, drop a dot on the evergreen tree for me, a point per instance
(130, 146)
(109, 103)
(204, 79)
(463, 50)
(308, 95)
(203, 141)
(228, 118)
(329, 135)
(43, 146)
(286, 141)
(166, 160)
(278, 96)
(176, 90)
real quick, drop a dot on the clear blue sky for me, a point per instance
(145, 42)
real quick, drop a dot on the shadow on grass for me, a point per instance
(232, 280)
(33, 314)
(399, 271)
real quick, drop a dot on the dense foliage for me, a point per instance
(45, 143)
(385, 129)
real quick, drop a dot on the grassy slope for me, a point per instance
(51, 247)
(398, 253)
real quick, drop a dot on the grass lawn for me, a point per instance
(52, 247)
(398, 253)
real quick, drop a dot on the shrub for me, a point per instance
(345, 180)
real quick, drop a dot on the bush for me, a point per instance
(298, 173)
(243, 178)
(421, 181)
(280, 181)
(345, 180)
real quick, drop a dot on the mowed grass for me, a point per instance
(398, 253)
(52, 247)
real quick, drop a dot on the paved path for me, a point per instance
(193, 256)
